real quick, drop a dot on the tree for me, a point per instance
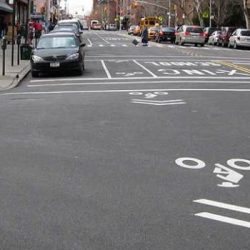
(246, 10)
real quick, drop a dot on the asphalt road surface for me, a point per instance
(148, 149)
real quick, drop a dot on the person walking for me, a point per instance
(144, 37)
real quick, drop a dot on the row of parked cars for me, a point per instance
(224, 36)
(62, 49)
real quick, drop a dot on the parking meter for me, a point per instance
(18, 39)
(3, 46)
(4, 43)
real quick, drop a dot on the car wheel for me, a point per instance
(202, 44)
(195, 44)
(34, 73)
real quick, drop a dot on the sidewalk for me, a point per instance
(13, 74)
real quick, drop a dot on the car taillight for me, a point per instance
(187, 33)
(161, 33)
(202, 34)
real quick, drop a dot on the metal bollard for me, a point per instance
(18, 40)
(4, 46)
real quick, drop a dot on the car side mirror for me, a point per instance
(82, 44)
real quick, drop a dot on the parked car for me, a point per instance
(131, 29)
(208, 32)
(165, 34)
(57, 52)
(240, 38)
(152, 31)
(71, 28)
(223, 38)
(111, 27)
(190, 34)
(213, 39)
(71, 21)
(137, 31)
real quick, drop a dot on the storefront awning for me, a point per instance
(5, 7)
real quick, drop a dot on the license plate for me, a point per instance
(54, 64)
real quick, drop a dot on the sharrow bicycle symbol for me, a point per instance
(152, 95)
(230, 177)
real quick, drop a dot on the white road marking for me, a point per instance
(112, 45)
(156, 103)
(102, 38)
(101, 45)
(223, 205)
(206, 78)
(124, 45)
(90, 43)
(224, 219)
(123, 91)
(106, 69)
(151, 73)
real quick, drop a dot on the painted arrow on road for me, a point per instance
(158, 103)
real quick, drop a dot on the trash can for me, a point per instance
(25, 51)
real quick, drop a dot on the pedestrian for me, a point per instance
(38, 29)
(144, 37)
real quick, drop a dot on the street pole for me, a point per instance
(13, 32)
(210, 13)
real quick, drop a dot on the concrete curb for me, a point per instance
(14, 81)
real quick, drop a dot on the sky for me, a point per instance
(82, 7)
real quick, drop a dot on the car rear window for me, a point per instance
(70, 23)
(166, 29)
(194, 29)
(56, 42)
(245, 32)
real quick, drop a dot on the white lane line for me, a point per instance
(224, 219)
(106, 69)
(144, 78)
(223, 205)
(124, 91)
(151, 73)
(112, 45)
(124, 45)
(173, 56)
(90, 43)
(102, 38)
(101, 45)
(128, 82)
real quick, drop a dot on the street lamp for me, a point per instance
(169, 17)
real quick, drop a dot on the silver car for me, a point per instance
(240, 38)
(190, 34)
(213, 39)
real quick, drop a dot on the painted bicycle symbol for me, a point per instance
(230, 177)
